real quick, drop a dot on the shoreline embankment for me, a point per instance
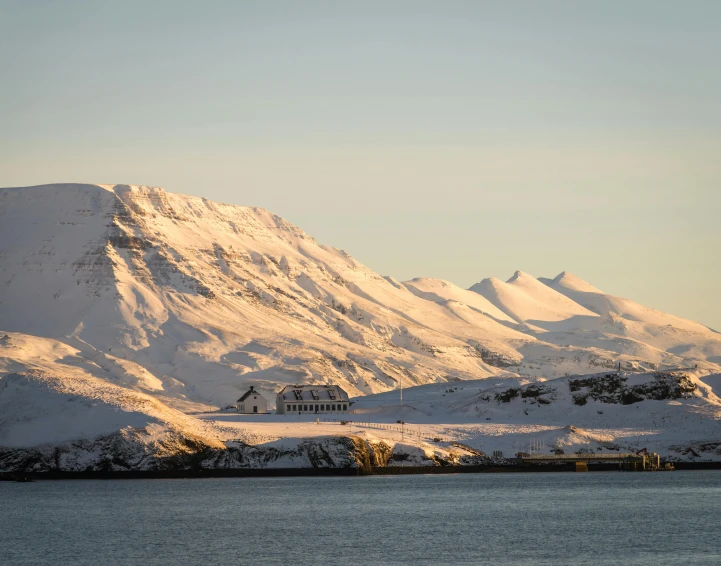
(324, 472)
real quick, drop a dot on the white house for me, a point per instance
(252, 402)
(313, 399)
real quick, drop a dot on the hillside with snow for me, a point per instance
(131, 290)
(674, 413)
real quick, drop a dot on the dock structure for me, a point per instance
(626, 461)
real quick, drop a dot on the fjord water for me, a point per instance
(553, 518)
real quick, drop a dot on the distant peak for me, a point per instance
(519, 275)
(487, 283)
(571, 281)
(567, 276)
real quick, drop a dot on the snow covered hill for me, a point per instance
(192, 301)
(54, 413)
(677, 414)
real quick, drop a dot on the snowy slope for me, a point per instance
(191, 301)
(674, 413)
(214, 296)
(50, 393)
(625, 318)
(42, 409)
(525, 299)
(444, 292)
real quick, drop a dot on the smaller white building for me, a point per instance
(252, 402)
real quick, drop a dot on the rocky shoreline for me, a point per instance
(120, 457)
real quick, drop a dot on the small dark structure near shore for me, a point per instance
(640, 461)
(23, 479)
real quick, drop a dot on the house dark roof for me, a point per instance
(247, 394)
(312, 393)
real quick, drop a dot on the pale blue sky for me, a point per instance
(456, 140)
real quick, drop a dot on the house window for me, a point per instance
(332, 407)
(305, 407)
(345, 407)
(242, 407)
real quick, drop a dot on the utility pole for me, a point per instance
(403, 437)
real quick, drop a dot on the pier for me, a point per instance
(626, 461)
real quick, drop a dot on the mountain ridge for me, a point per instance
(208, 298)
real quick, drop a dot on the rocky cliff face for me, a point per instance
(128, 449)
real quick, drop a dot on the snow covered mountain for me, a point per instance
(191, 301)
(124, 308)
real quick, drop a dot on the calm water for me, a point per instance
(560, 518)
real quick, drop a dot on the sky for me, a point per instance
(456, 140)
